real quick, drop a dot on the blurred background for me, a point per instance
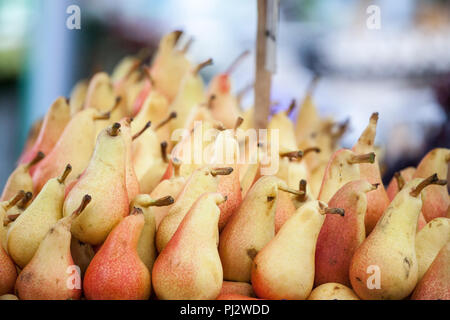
(401, 70)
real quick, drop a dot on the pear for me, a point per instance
(8, 273)
(308, 119)
(131, 180)
(190, 93)
(8, 297)
(171, 187)
(235, 287)
(385, 266)
(189, 267)
(340, 236)
(146, 246)
(30, 228)
(201, 181)
(20, 179)
(286, 132)
(435, 198)
(249, 229)
(48, 276)
(343, 167)
(169, 66)
(284, 268)
(117, 272)
(332, 291)
(226, 106)
(15, 211)
(75, 145)
(100, 93)
(377, 200)
(430, 240)
(398, 181)
(154, 109)
(436, 281)
(104, 180)
(78, 96)
(4, 207)
(56, 119)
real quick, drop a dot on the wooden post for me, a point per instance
(265, 59)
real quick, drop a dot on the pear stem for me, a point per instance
(447, 158)
(200, 66)
(292, 154)
(171, 116)
(177, 34)
(103, 116)
(210, 101)
(338, 211)
(64, 175)
(161, 202)
(238, 123)
(11, 203)
(38, 157)
(302, 188)
(147, 125)
(238, 60)
(289, 190)
(362, 158)
(149, 76)
(375, 186)
(164, 151)
(291, 107)
(25, 200)
(374, 118)
(221, 171)
(400, 180)
(433, 179)
(176, 166)
(311, 149)
(187, 45)
(114, 129)
(136, 211)
(84, 202)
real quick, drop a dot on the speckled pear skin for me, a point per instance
(8, 273)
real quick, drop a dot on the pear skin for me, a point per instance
(56, 119)
(435, 283)
(201, 181)
(48, 276)
(78, 96)
(8, 273)
(281, 122)
(284, 210)
(171, 187)
(405, 176)
(75, 146)
(154, 109)
(430, 240)
(308, 118)
(249, 229)
(235, 287)
(117, 272)
(385, 265)
(435, 198)
(104, 180)
(332, 291)
(340, 236)
(100, 93)
(284, 268)
(131, 180)
(189, 267)
(30, 228)
(377, 200)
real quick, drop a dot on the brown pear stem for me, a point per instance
(302, 188)
(64, 175)
(311, 149)
(210, 101)
(221, 171)
(400, 180)
(12, 202)
(176, 166)
(84, 202)
(201, 65)
(292, 154)
(136, 211)
(164, 151)
(362, 158)
(25, 200)
(114, 129)
(238, 60)
(447, 158)
(291, 107)
(103, 116)
(338, 211)
(374, 118)
(161, 202)
(171, 116)
(148, 74)
(375, 186)
(433, 179)
(187, 45)
(289, 190)
(147, 125)
(238, 123)
(177, 34)
(38, 157)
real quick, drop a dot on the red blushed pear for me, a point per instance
(435, 198)
(398, 181)
(385, 266)
(8, 273)
(340, 236)
(104, 180)
(236, 287)
(226, 106)
(189, 267)
(117, 272)
(142, 96)
(48, 276)
(343, 167)
(20, 179)
(435, 284)
(377, 200)
(56, 119)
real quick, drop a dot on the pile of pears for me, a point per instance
(106, 204)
